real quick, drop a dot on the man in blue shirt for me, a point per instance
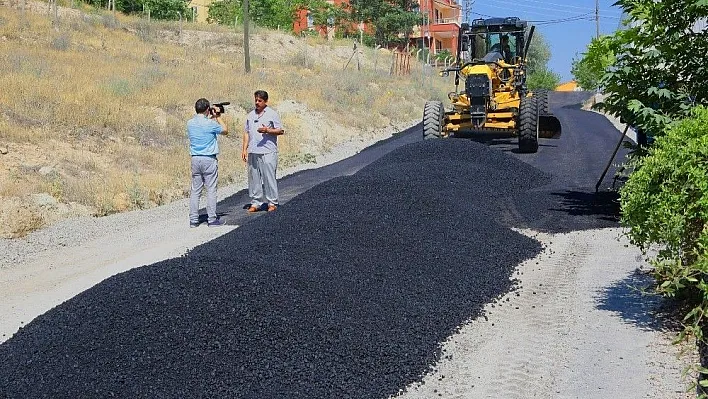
(202, 130)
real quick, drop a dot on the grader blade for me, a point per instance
(549, 127)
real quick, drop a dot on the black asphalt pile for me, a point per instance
(346, 291)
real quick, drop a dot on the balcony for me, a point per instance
(441, 21)
(447, 3)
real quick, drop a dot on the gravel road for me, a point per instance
(446, 268)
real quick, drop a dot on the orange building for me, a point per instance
(568, 86)
(441, 26)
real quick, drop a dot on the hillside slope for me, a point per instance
(93, 107)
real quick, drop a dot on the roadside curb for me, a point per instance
(599, 97)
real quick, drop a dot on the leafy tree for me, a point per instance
(225, 12)
(326, 14)
(542, 79)
(390, 25)
(659, 73)
(389, 18)
(269, 13)
(589, 69)
(539, 53)
(275, 13)
(129, 6)
(159, 9)
(166, 9)
(539, 76)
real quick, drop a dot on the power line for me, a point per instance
(560, 21)
(503, 5)
(468, 8)
(610, 16)
(567, 6)
(582, 17)
(586, 16)
(481, 15)
(542, 14)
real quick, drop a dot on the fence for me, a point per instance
(401, 64)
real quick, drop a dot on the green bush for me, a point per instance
(542, 79)
(590, 68)
(665, 206)
(443, 55)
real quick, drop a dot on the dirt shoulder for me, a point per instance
(579, 326)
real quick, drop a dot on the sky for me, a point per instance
(568, 39)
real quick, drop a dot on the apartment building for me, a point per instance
(440, 27)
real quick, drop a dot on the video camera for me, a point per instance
(218, 108)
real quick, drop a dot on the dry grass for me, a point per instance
(102, 101)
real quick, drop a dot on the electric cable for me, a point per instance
(566, 6)
(502, 5)
(545, 14)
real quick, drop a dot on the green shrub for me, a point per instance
(443, 55)
(119, 87)
(665, 206)
(542, 79)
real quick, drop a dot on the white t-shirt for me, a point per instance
(262, 143)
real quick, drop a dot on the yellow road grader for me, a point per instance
(492, 65)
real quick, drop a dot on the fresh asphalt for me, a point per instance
(576, 161)
(346, 291)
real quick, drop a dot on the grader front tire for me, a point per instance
(433, 118)
(528, 125)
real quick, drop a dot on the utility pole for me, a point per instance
(467, 10)
(246, 53)
(597, 19)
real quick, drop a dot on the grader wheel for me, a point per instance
(542, 101)
(528, 125)
(549, 126)
(433, 118)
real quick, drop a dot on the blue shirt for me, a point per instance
(202, 133)
(262, 143)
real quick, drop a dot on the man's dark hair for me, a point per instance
(262, 94)
(201, 105)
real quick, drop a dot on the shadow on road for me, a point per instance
(634, 300)
(504, 144)
(578, 106)
(604, 204)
